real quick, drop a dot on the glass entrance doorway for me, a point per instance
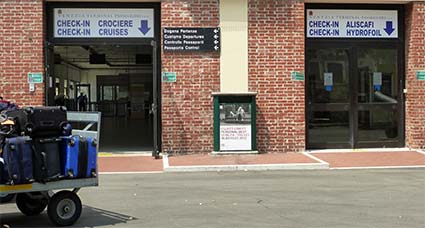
(354, 96)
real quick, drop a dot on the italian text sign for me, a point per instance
(103, 23)
(325, 23)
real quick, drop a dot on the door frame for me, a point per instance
(49, 78)
(353, 44)
(156, 56)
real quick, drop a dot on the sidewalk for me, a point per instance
(327, 159)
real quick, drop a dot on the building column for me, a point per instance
(234, 46)
(415, 97)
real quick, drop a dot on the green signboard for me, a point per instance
(420, 75)
(297, 76)
(169, 76)
(35, 77)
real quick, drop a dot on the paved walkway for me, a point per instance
(327, 159)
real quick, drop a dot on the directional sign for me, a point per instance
(169, 76)
(326, 23)
(103, 23)
(144, 27)
(35, 78)
(297, 76)
(420, 75)
(191, 39)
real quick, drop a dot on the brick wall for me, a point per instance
(187, 110)
(415, 60)
(276, 47)
(21, 49)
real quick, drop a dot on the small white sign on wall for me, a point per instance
(328, 79)
(235, 137)
(377, 78)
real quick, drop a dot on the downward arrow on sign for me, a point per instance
(144, 27)
(389, 27)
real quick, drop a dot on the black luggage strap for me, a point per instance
(43, 162)
(83, 155)
(20, 158)
(8, 162)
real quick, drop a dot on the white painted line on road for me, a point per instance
(380, 167)
(125, 154)
(165, 162)
(361, 150)
(136, 172)
(250, 152)
(421, 151)
(315, 158)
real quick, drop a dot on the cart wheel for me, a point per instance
(6, 198)
(64, 208)
(29, 205)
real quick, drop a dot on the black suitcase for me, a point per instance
(19, 117)
(46, 121)
(17, 156)
(46, 159)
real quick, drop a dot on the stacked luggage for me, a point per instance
(37, 145)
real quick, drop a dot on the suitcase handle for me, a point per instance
(44, 160)
(47, 123)
(50, 140)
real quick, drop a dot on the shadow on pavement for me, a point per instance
(90, 217)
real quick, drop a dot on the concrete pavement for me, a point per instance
(326, 159)
(390, 198)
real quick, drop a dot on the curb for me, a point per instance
(257, 167)
(219, 168)
(124, 154)
(359, 150)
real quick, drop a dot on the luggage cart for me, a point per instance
(63, 207)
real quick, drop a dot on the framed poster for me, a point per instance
(235, 126)
(234, 122)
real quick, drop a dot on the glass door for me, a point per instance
(354, 97)
(328, 98)
(378, 97)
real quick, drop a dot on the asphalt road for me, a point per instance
(338, 198)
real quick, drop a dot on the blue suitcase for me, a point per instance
(79, 157)
(17, 154)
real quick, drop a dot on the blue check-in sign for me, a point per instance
(330, 23)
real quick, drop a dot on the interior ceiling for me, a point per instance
(117, 56)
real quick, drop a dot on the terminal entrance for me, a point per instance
(354, 85)
(115, 80)
(103, 57)
(351, 110)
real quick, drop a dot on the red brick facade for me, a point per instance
(21, 50)
(187, 110)
(276, 47)
(415, 60)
